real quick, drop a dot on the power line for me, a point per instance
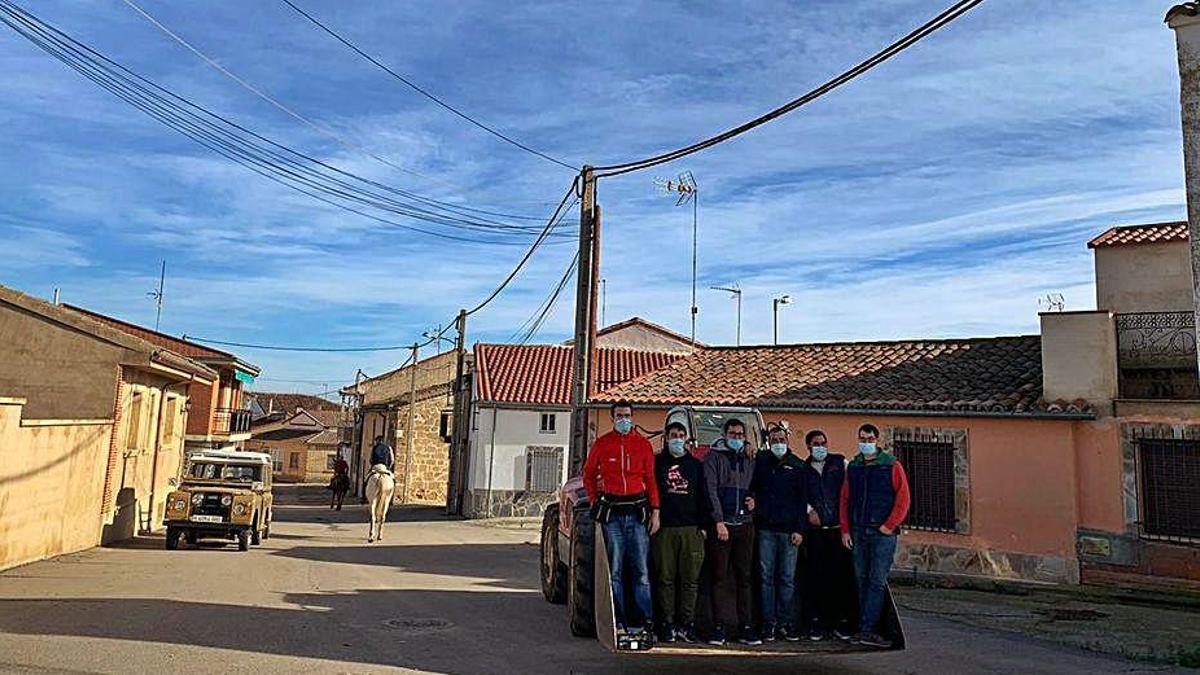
(280, 348)
(424, 92)
(534, 323)
(947, 16)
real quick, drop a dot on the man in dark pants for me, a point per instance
(728, 470)
(780, 519)
(678, 548)
(829, 575)
(873, 504)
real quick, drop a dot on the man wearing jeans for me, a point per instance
(780, 517)
(728, 470)
(619, 479)
(873, 504)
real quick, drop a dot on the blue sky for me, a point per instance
(938, 196)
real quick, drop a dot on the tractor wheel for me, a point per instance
(243, 539)
(581, 601)
(554, 572)
(172, 538)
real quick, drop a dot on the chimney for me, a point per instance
(1184, 19)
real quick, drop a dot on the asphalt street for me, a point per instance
(435, 596)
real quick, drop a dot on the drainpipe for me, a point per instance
(491, 463)
(162, 405)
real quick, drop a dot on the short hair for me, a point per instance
(808, 438)
(675, 425)
(612, 409)
(732, 422)
(869, 429)
(778, 428)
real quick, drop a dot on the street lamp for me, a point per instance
(685, 186)
(775, 303)
(736, 293)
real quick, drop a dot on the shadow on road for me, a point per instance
(484, 561)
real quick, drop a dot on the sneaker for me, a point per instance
(788, 632)
(842, 634)
(666, 633)
(717, 638)
(858, 638)
(875, 640)
(815, 634)
(687, 634)
(768, 632)
(748, 636)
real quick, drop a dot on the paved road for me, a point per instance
(435, 596)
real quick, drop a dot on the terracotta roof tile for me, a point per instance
(992, 375)
(1142, 234)
(288, 403)
(541, 374)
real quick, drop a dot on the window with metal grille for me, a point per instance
(1169, 477)
(543, 468)
(930, 468)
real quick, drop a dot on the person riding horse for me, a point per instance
(340, 483)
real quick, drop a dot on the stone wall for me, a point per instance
(931, 558)
(421, 478)
(506, 503)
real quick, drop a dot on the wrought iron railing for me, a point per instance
(1156, 356)
(229, 421)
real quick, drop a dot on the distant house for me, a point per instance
(640, 334)
(92, 423)
(218, 418)
(303, 445)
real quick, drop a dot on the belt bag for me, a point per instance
(611, 505)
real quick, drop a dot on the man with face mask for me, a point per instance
(678, 547)
(780, 519)
(728, 470)
(618, 476)
(829, 578)
(874, 502)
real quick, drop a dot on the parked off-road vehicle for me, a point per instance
(223, 495)
(575, 567)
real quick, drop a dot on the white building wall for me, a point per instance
(499, 441)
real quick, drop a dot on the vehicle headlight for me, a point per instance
(240, 509)
(226, 500)
(179, 505)
(197, 498)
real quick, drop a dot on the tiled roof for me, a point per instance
(1142, 234)
(649, 325)
(289, 402)
(992, 375)
(286, 434)
(326, 437)
(541, 374)
(189, 349)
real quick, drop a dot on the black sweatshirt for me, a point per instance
(681, 491)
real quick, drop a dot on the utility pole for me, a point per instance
(585, 317)
(1184, 19)
(456, 484)
(737, 294)
(603, 302)
(412, 404)
(158, 295)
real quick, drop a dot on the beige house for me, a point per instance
(303, 445)
(92, 424)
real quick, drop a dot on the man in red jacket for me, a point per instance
(619, 479)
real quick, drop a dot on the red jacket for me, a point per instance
(621, 465)
(899, 507)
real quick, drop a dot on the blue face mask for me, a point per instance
(779, 450)
(735, 444)
(819, 453)
(623, 425)
(677, 446)
(867, 449)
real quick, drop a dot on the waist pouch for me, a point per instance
(612, 505)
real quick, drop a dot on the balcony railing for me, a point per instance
(229, 421)
(1156, 356)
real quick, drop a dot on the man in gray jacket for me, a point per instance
(728, 470)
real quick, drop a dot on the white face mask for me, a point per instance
(819, 453)
(867, 449)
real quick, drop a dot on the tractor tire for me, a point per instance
(554, 572)
(243, 539)
(581, 587)
(172, 538)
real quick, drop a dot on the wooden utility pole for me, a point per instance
(412, 404)
(456, 483)
(585, 317)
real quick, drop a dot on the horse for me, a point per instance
(380, 487)
(340, 485)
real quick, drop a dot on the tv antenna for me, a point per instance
(158, 295)
(1052, 302)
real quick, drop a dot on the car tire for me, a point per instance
(581, 597)
(173, 538)
(243, 539)
(256, 536)
(554, 572)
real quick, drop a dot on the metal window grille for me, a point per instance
(930, 468)
(1169, 478)
(543, 468)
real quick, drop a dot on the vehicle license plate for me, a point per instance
(206, 519)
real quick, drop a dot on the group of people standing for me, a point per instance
(742, 515)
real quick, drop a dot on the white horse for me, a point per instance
(380, 487)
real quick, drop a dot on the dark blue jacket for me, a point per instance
(825, 488)
(780, 493)
(382, 454)
(727, 476)
(871, 495)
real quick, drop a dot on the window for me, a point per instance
(1169, 473)
(170, 416)
(543, 468)
(444, 427)
(929, 463)
(133, 423)
(294, 460)
(548, 422)
(276, 459)
(330, 460)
